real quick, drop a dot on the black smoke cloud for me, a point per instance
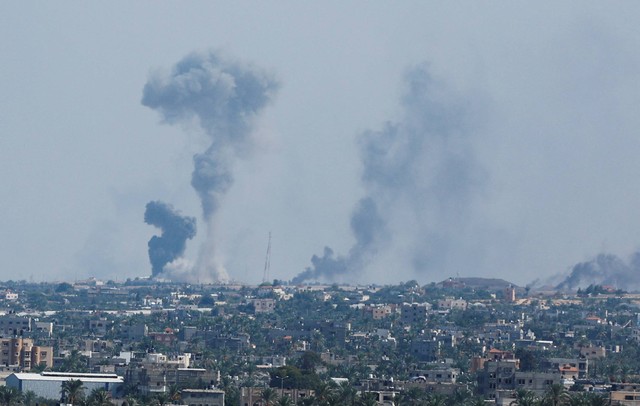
(225, 97)
(176, 230)
(605, 269)
(420, 176)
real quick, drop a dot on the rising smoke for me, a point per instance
(605, 269)
(225, 96)
(176, 230)
(420, 177)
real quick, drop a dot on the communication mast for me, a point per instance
(267, 261)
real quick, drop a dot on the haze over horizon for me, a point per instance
(416, 141)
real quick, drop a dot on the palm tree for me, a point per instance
(323, 392)
(268, 396)
(100, 397)
(346, 394)
(72, 391)
(579, 399)
(9, 396)
(130, 400)
(284, 401)
(525, 397)
(461, 397)
(597, 399)
(174, 393)
(161, 399)
(74, 362)
(557, 395)
(436, 399)
(411, 397)
(367, 399)
(28, 398)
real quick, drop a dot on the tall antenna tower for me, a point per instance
(267, 261)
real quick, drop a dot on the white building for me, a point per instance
(49, 384)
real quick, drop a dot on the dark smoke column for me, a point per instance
(176, 230)
(225, 97)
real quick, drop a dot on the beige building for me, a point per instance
(380, 312)
(22, 352)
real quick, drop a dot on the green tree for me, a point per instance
(284, 401)
(72, 391)
(29, 398)
(9, 396)
(367, 399)
(525, 397)
(74, 362)
(161, 399)
(99, 397)
(411, 397)
(346, 394)
(174, 393)
(556, 395)
(268, 396)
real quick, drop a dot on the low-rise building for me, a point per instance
(49, 384)
(202, 397)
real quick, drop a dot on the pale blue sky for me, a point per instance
(553, 90)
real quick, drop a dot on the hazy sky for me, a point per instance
(542, 171)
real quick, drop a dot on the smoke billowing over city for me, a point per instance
(496, 141)
(225, 96)
(420, 176)
(607, 270)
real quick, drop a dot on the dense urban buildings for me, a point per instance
(457, 342)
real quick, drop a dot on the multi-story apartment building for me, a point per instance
(12, 325)
(264, 305)
(414, 313)
(503, 375)
(22, 352)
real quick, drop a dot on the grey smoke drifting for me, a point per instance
(367, 227)
(176, 230)
(420, 177)
(605, 269)
(225, 97)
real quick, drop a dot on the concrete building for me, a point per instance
(414, 313)
(252, 396)
(438, 375)
(627, 394)
(450, 303)
(380, 312)
(264, 305)
(49, 384)
(159, 378)
(503, 375)
(202, 397)
(22, 353)
(13, 326)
